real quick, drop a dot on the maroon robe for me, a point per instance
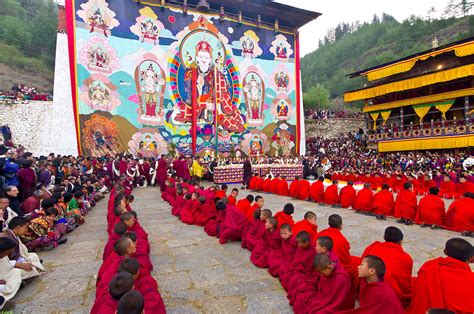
(27, 177)
(271, 241)
(234, 225)
(286, 254)
(213, 225)
(302, 262)
(187, 211)
(254, 235)
(161, 173)
(317, 191)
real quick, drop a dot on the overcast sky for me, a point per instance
(348, 11)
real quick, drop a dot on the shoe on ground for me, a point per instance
(401, 221)
(425, 225)
(434, 227)
(466, 234)
(384, 217)
(62, 240)
(408, 222)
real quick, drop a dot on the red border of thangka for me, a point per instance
(297, 90)
(71, 39)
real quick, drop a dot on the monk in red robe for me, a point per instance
(245, 206)
(277, 257)
(205, 211)
(309, 225)
(266, 185)
(446, 282)
(222, 192)
(191, 205)
(120, 229)
(282, 188)
(294, 188)
(464, 186)
(334, 291)
(271, 241)
(363, 200)
(383, 204)
(256, 231)
(303, 192)
(398, 263)
(426, 184)
(347, 195)
(213, 224)
(331, 196)
(284, 217)
(106, 302)
(447, 189)
(274, 185)
(431, 210)
(406, 205)
(234, 225)
(317, 191)
(375, 295)
(232, 198)
(178, 203)
(253, 182)
(341, 246)
(460, 215)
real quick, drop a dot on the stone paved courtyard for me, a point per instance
(195, 273)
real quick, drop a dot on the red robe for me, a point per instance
(282, 188)
(177, 205)
(254, 235)
(446, 283)
(399, 266)
(284, 218)
(426, 185)
(347, 196)
(283, 255)
(109, 246)
(258, 183)
(246, 208)
(431, 210)
(234, 225)
(220, 194)
(294, 188)
(231, 200)
(460, 215)
(406, 205)
(376, 297)
(303, 192)
(462, 188)
(383, 203)
(187, 212)
(147, 286)
(342, 249)
(331, 196)
(266, 185)
(317, 192)
(302, 262)
(334, 293)
(447, 189)
(204, 212)
(363, 200)
(274, 185)
(104, 304)
(253, 183)
(271, 241)
(212, 226)
(305, 225)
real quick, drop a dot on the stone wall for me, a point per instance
(331, 128)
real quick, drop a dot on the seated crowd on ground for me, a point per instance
(23, 92)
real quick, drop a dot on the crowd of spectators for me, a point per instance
(21, 92)
(331, 114)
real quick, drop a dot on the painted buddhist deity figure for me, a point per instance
(256, 147)
(248, 46)
(282, 81)
(147, 143)
(99, 96)
(149, 31)
(254, 91)
(281, 51)
(282, 110)
(97, 21)
(150, 82)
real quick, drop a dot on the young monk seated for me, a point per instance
(282, 187)
(245, 206)
(213, 225)
(204, 212)
(170, 192)
(316, 191)
(331, 196)
(106, 303)
(341, 246)
(29, 263)
(234, 225)
(447, 189)
(347, 195)
(294, 188)
(222, 192)
(145, 284)
(307, 281)
(309, 225)
(253, 182)
(303, 192)
(10, 277)
(191, 205)
(284, 217)
(142, 250)
(460, 215)
(118, 211)
(383, 204)
(284, 255)
(255, 233)
(131, 302)
(363, 200)
(302, 261)
(257, 204)
(271, 241)
(120, 229)
(431, 210)
(398, 263)
(464, 186)
(446, 282)
(266, 185)
(274, 184)
(232, 198)
(375, 295)
(334, 291)
(119, 201)
(178, 203)
(406, 205)
(130, 219)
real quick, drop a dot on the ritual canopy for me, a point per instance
(422, 101)
(150, 77)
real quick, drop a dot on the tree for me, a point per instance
(458, 8)
(317, 97)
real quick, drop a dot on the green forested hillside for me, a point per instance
(27, 42)
(356, 47)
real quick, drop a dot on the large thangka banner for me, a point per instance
(142, 71)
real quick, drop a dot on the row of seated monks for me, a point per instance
(429, 211)
(316, 268)
(124, 284)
